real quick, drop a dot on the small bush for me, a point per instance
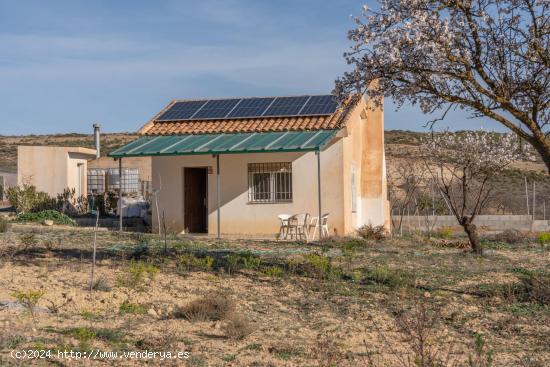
(274, 272)
(28, 240)
(188, 262)
(232, 263)
(3, 225)
(535, 286)
(215, 307)
(127, 307)
(510, 236)
(251, 262)
(370, 232)
(101, 284)
(26, 199)
(137, 273)
(238, 327)
(39, 217)
(444, 232)
(544, 238)
(392, 278)
(29, 299)
(319, 266)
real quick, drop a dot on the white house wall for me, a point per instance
(238, 216)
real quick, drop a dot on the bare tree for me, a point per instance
(462, 165)
(489, 57)
(404, 183)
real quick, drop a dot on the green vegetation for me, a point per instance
(39, 217)
(128, 307)
(136, 274)
(544, 238)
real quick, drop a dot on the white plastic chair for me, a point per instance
(298, 226)
(314, 223)
(284, 228)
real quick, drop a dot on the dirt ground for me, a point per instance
(363, 308)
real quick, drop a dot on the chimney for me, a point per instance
(96, 139)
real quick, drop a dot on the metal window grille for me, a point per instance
(269, 182)
(130, 180)
(96, 181)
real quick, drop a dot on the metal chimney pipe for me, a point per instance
(97, 142)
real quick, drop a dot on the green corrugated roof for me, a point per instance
(289, 141)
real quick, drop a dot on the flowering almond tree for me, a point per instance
(489, 57)
(462, 165)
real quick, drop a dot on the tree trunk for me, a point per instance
(473, 237)
(542, 146)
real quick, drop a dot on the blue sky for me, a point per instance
(67, 64)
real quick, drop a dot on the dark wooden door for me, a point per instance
(195, 199)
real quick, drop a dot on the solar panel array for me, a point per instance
(251, 107)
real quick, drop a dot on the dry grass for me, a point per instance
(341, 304)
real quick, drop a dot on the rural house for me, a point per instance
(232, 166)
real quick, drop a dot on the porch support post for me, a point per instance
(218, 196)
(318, 153)
(120, 193)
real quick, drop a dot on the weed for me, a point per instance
(3, 225)
(392, 278)
(327, 351)
(444, 232)
(84, 336)
(251, 262)
(29, 299)
(127, 307)
(370, 232)
(39, 217)
(136, 274)
(28, 240)
(89, 315)
(216, 307)
(544, 238)
(320, 266)
(274, 271)
(254, 346)
(481, 357)
(238, 327)
(101, 284)
(232, 263)
(188, 262)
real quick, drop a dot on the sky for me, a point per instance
(65, 65)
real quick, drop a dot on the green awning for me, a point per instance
(284, 141)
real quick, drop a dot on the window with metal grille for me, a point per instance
(269, 182)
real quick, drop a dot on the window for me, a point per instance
(269, 182)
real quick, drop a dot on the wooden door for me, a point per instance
(195, 203)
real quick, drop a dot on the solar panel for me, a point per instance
(286, 106)
(320, 105)
(216, 109)
(181, 110)
(251, 107)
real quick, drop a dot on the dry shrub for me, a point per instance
(327, 351)
(370, 232)
(3, 225)
(238, 327)
(511, 236)
(215, 307)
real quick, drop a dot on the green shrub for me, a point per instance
(251, 262)
(40, 217)
(444, 232)
(127, 307)
(137, 273)
(274, 272)
(544, 238)
(316, 265)
(3, 225)
(188, 262)
(26, 199)
(232, 263)
(29, 299)
(370, 232)
(392, 278)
